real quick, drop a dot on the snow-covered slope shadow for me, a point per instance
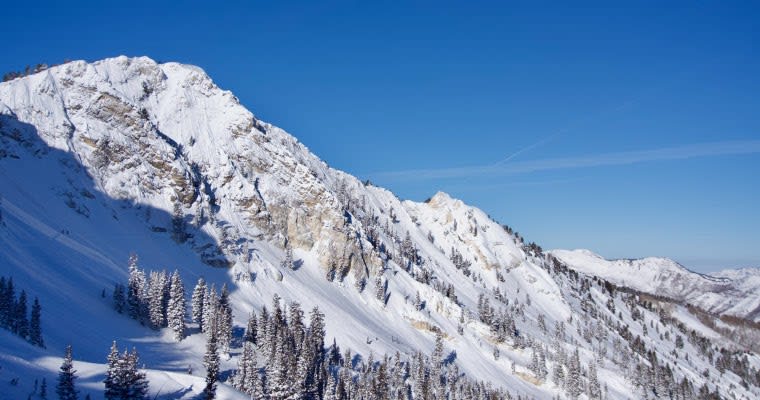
(82, 259)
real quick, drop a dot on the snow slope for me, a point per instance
(98, 160)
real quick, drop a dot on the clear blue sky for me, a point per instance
(630, 130)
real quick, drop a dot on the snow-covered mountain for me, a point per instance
(730, 292)
(99, 160)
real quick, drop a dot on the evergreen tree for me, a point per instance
(224, 320)
(35, 329)
(210, 308)
(6, 301)
(113, 381)
(251, 330)
(119, 302)
(21, 322)
(211, 363)
(281, 386)
(436, 366)
(124, 380)
(379, 287)
(135, 380)
(317, 342)
(594, 389)
(288, 263)
(198, 300)
(43, 389)
(8, 305)
(157, 311)
(574, 383)
(66, 377)
(176, 308)
(135, 287)
(246, 376)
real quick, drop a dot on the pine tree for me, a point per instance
(135, 287)
(379, 287)
(210, 308)
(199, 294)
(317, 342)
(43, 389)
(281, 386)
(247, 372)
(251, 330)
(21, 322)
(66, 377)
(574, 383)
(594, 389)
(135, 380)
(224, 320)
(436, 366)
(156, 295)
(35, 329)
(211, 363)
(176, 308)
(7, 305)
(124, 380)
(113, 381)
(119, 302)
(288, 263)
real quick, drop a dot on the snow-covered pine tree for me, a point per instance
(317, 342)
(594, 389)
(288, 263)
(21, 321)
(574, 382)
(211, 362)
(224, 321)
(210, 305)
(136, 382)
(379, 287)
(296, 323)
(251, 330)
(176, 309)
(65, 388)
(305, 370)
(113, 381)
(135, 288)
(35, 328)
(436, 366)
(247, 372)
(198, 300)
(281, 385)
(330, 388)
(124, 380)
(156, 310)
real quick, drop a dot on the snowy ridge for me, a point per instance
(731, 292)
(123, 155)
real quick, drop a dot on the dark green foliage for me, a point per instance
(66, 389)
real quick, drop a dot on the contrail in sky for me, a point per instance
(699, 150)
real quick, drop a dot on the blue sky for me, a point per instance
(631, 130)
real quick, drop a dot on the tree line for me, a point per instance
(13, 313)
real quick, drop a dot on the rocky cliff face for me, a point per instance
(166, 136)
